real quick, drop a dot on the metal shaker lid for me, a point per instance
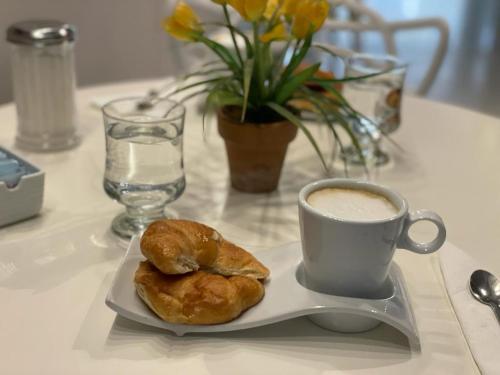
(40, 32)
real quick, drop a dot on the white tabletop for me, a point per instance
(55, 270)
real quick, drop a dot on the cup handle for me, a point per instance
(405, 242)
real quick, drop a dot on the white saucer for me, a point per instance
(285, 298)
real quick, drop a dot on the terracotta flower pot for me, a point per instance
(255, 151)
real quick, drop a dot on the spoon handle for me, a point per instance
(496, 310)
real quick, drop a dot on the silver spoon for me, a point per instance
(155, 95)
(147, 102)
(486, 289)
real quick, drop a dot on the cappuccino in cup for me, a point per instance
(352, 204)
(350, 230)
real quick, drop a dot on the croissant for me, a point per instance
(233, 260)
(196, 298)
(181, 246)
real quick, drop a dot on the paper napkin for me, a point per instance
(479, 324)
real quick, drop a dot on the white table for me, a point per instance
(55, 270)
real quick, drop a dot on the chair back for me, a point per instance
(364, 19)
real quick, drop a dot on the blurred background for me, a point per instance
(122, 40)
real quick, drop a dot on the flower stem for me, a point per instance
(258, 62)
(228, 20)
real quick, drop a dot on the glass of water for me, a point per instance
(144, 160)
(377, 98)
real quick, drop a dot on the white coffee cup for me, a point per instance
(352, 257)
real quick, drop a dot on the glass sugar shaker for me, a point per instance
(43, 73)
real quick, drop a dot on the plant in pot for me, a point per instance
(259, 86)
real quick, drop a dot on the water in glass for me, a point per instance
(378, 99)
(144, 167)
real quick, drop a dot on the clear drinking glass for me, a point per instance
(378, 99)
(144, 160)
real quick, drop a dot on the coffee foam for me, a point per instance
(352, 204)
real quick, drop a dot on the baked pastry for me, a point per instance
(232, 260)
(181, 246)
(196, 298)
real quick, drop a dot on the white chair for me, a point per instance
(364, 19)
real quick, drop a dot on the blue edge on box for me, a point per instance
(25, 199)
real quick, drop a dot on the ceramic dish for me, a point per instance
(285, 298)
(25, 199)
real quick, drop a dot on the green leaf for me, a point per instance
(260, 78)
(219, 98)
(297, 122)
(296, 60)
(346, 106)
(294, 82)
(210, 63)
(247, 79)
(278, 62)
(341, 118)
(330, 52)
(236, 47)
(203, 73)
(187, 87)
(346, 79)
(222, 52)
(194, 94)
(316, 100)
(231, 28)
(333, 91)
(267, 66)
(248, 44)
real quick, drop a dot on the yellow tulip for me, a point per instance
(280, 7)
(301, 26)
(309, 16)
(289, 7)
(183, 24)
(250, 10)
(273, 6)
(239, 5)
(278, 32)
